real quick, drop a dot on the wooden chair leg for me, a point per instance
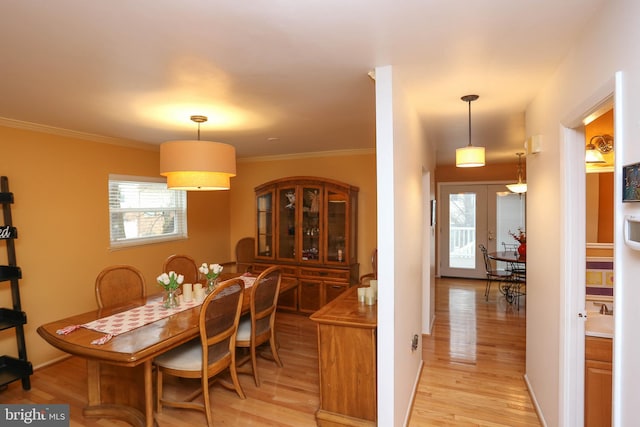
(254, 364)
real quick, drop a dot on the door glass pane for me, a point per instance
(310, 223)
(264, 221)
(336, 226)
(510, 213)
(462, 230)
(287, 225)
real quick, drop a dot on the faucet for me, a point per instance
(605, 310)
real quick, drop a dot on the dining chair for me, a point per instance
(365, 278)
(518, 269)
(244, 256)
(258, 327)
(209, 355)
(182, 264)
(118, 285)
(494, 274)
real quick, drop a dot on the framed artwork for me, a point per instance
(631, 183)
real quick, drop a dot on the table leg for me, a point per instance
(112, 393)
(148, 393)
(93, 382)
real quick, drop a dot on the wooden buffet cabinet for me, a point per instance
(347, 354)
(308, 227)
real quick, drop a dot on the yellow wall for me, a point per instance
(61, 212)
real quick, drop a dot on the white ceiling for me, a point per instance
(295, 70)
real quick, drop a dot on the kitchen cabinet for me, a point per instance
(597, 381)
(308, 226)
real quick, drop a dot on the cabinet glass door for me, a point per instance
(311, 223)
(287, 223)
(265, 224)
(336, 227)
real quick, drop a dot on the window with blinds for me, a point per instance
(142, 210)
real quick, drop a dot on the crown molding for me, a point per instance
(52, 130)
(315, 154)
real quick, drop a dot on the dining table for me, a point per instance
(508, 257)
(119, 377)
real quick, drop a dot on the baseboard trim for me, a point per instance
(532, 395)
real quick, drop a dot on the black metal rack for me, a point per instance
(11, 368)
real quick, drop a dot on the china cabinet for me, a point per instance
(308, 226)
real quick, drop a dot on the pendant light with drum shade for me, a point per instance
(197, 165)
(519, 187)
(469, 156)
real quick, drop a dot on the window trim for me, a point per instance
(141, 241)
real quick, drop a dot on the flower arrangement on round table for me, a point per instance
(211, 272)
(521, 237)
(170, 282)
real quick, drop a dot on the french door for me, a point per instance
(472, 215)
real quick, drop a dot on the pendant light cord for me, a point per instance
(469, 102)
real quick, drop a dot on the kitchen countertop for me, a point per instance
(599, 325)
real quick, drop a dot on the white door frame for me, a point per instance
(572, 294)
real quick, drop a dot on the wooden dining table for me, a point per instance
(119, 377)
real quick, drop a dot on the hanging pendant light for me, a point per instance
(519, 187)
(469, 156)
(197, 165)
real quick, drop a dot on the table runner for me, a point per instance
(129, 320)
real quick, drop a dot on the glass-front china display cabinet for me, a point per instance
(308, 226)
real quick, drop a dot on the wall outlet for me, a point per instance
(414, 343)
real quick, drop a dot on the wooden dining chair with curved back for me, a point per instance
(244, 250)
(366, 278)
(258, 327)
(119, 285)
(209, 355)
(182, 264)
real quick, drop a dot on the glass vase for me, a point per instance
(170, 299)
(211, 285)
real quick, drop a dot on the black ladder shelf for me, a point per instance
(12, 369)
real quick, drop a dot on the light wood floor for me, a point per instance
(472, 376)
(474, 361)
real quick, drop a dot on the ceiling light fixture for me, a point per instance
(594, 150)
(197, 165)
(519, 187)
(469, 156)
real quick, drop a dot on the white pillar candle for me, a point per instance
(187, 295)
(199, 294)
(369, 296)
(361, 294)
(197, 286)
